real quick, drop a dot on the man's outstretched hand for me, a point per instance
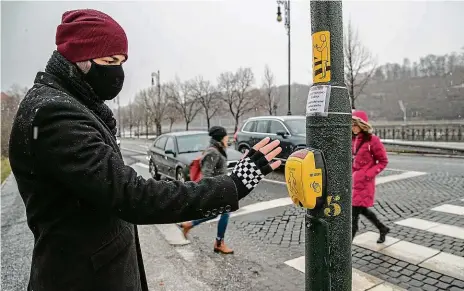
(254, 165)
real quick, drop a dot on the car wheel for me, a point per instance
(242, 149)
(180, 175)
(153, 171)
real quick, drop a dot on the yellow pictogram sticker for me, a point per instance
(321, 57)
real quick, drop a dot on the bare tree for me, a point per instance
(359, 64)
(452, 62)
(9, 106)
(143, 103)
(180, 95)
(206, 95)
(128, 117)
(155, 102)
(235, 92)
(171, 115)
(139, 118)
(271, 98)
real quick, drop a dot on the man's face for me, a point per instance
(111, 61)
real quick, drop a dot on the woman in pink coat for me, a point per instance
(369, 159)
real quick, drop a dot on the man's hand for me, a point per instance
(254, 165)
(270, 149)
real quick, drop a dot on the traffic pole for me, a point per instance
(328, 128)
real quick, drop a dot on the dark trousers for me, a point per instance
(358, 210)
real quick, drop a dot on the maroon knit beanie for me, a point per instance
(89, 34)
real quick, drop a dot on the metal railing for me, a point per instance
(418, 132)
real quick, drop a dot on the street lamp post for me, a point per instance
(286, 4)
(158, 84)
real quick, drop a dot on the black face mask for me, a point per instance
(105, 80)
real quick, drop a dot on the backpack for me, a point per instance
(195, 168)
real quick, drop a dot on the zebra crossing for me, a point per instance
(418, 255)
(412, 254)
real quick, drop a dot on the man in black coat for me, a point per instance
(82, 202)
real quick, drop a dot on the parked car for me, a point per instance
(171, 154)
(290, 130)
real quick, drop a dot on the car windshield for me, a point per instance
(192, 143)
(297, 126)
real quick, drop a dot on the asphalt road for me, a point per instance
(265, 240)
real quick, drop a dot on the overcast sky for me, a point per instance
(190, 38)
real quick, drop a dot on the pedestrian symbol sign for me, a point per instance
(321, 57)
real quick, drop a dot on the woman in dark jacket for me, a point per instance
(214, 163)
(82, 202)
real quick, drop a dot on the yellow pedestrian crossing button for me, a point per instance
(306, 179)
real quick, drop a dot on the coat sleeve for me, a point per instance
(380, 157)
(70, 150)
(209, 162)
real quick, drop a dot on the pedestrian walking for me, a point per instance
(369, 159)
(82, 202)
(214, 163)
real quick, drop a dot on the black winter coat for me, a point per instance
(82, 202)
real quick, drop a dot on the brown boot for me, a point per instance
(186, 227)
(220, 247)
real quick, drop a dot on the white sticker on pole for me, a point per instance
(318, 101)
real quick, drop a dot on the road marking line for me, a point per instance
(448, 208)
(402, 176)
(361, 281)
(398, 249)
(429, 258)
(186, 252)
(260, 206)
(417, 223)
(135, 151)
(409, 252)
(447, 264)
(432, 259)
(368, 240)
(396, 170)
(172, 234)
(378, 180)
(434, 227)
(142, 165)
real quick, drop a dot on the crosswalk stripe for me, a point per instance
(435, 227)
(142, 165)
(447, 264)
(426, 257)
(451, 209)
(409, 252)
(260, 206)
(393, 247)
(378, 180)
(360, 282)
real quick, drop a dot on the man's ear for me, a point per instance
(84, 66)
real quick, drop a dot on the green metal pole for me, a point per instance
(328, 230)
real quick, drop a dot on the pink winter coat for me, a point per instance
(370, 160)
